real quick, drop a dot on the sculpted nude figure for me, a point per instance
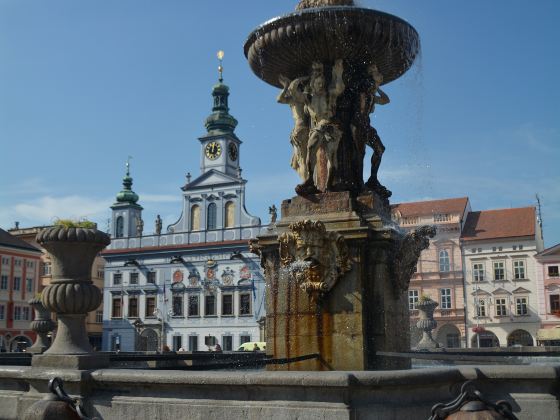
(293, 95)
(321, 105)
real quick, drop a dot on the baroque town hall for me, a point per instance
(196, 284)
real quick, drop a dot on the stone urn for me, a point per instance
(72, 293)
(42, 325)
(426, 324)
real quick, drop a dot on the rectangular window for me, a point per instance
(177, 342)
(150, 306)
(521, 306)
(501, 309)
(5, 260)
(151, 278)
(553, 271)
(445, 298)
(478, 272)
(17, 313)
(499, 270)
(453, 341)
(117, 279)
(133, 307)
(519, 269)
(17, 262)
(29, 264)
(26, 313)
(480, 307)
(4, 282)
(2, 313)
(227, 305)
(244, 339)
(46, 270)
(554, 303)
(17, 283)
(245, 304)
(177, 305)
(116, 308)
(100, 273)
(29, 285)
(412, 299)
(193, 343)
(227, 343)
(133, 278)
(99, 317)
(194, 307)
(209, 305)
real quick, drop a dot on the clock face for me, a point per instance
(232, 150)
(213, 150)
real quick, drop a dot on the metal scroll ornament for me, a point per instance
(314, 258)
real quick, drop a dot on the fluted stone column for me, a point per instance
(42, 325)
(426, 323)
(72, 295)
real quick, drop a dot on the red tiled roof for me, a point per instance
(503, 223)
(420, 208)
(11, 241)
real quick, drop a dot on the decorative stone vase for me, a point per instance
(72, 293)
(426, 323)
(42, 325)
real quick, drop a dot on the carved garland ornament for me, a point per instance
(314, 258)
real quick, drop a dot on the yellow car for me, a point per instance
(253, 346)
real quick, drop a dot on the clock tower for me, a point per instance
(220, 145)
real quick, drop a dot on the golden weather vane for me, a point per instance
(220, 55)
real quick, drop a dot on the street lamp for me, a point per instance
(161, 317)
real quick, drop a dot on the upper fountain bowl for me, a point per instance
(289, 44)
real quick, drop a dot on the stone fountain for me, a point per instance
(337, 270)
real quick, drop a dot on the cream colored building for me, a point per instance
(499, 248)
(439, 272)
(94, 320)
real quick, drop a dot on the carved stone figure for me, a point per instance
(293, 95)
(324, 134)
(314, 258)
(406, 255)
(139, 226)
(363, 133)
(273, 214)
(159, 225)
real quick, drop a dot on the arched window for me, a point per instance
(230, 214)
(443, 261)
(211, 216)
(195, 217)
(119, 227)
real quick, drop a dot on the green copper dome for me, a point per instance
(220, 120)
(127, 195)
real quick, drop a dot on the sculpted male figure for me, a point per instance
(139, 226)
(325, 133)
(293, 95)
(373, 139)
(159, 225)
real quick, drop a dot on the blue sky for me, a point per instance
(84, 84)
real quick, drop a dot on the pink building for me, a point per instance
(548, 283)
(440, 269)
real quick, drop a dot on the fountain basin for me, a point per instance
(289, 44)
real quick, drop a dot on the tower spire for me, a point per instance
(127, 195)
(220, 121)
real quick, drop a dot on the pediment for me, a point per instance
(521, 290)
(211, 178)
(501, 291)
(480, 292)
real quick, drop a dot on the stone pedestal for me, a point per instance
(42, 325)
(334, 284)
(71, 295)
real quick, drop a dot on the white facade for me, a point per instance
(501, 291)
(197, 284)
